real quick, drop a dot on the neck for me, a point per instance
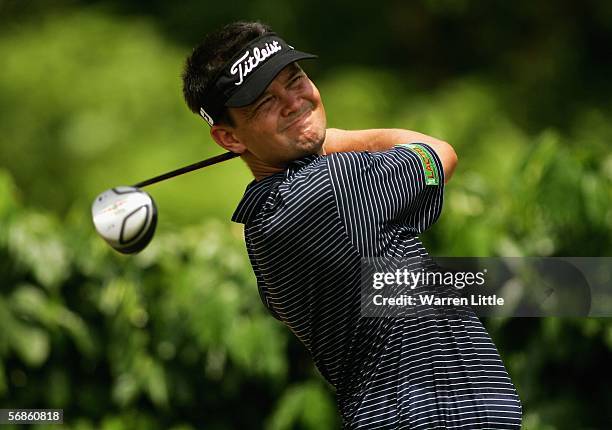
(259, 168)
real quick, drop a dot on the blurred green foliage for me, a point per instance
(172, 338)
(82, 95)
(176, 338)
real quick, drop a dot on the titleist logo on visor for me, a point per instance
(248, 62)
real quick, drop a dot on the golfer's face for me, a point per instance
(286, 122)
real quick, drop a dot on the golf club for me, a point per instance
(126, 217)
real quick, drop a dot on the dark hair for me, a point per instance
(210, 55)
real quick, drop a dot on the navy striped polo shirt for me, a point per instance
(307, 230)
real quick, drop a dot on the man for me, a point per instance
(324, 199)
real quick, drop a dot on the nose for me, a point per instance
(291, 103)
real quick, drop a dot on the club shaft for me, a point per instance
(195, 166)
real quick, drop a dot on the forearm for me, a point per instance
(381, 139)
(372, 140)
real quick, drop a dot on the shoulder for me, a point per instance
(347, 160)
(305, 180)
(300, 203)
(352, 166)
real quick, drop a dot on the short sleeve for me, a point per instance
(373, 191)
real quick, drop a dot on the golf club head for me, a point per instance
(125, 217)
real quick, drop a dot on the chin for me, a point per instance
(311, 141)
(312, 137)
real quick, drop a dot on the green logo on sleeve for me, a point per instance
(427, 161)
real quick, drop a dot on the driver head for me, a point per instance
(125, 217)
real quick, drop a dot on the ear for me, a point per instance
(225, 137)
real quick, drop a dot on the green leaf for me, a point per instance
(34, 241)
(31, 344)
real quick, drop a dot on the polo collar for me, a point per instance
(257, 192)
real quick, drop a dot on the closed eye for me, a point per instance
(296, 79)
(262, 103)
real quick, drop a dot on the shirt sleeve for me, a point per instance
(379, 190)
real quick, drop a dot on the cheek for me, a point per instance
(315, 96)
(263, 127)
(318, 120)
(319, 111)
